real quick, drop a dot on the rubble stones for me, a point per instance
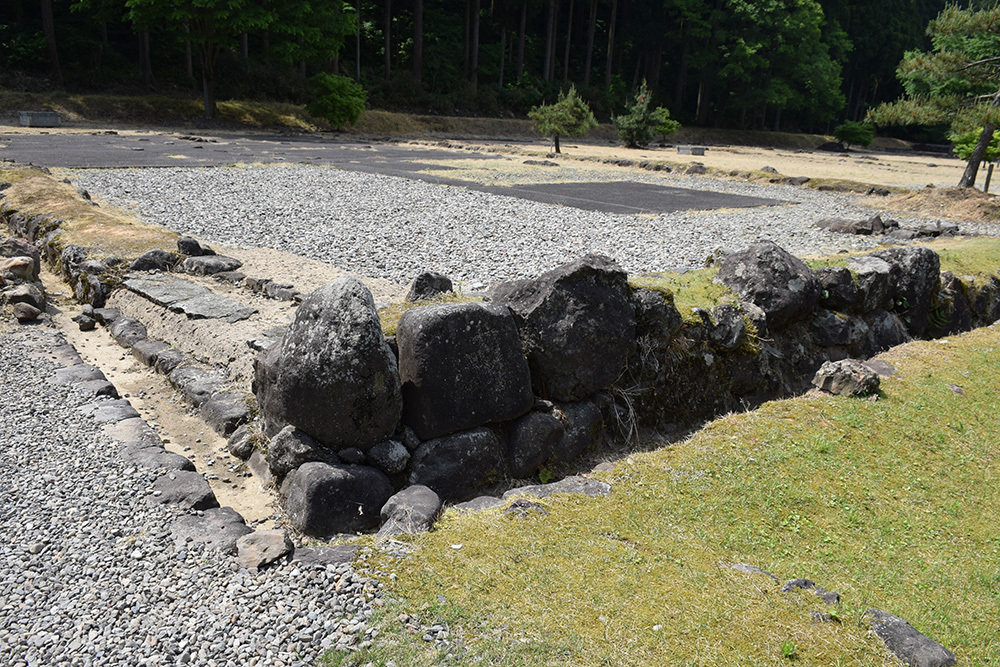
(848, 377)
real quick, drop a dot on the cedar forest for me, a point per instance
(753, 64)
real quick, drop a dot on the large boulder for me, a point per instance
(577, 326)
(582, 428)
(323, 499)
(333, 375)
(875, 282)
(917, 275)
(530, 442)
(838, 289)
(456, 465)
(461, 366)
(772, 279)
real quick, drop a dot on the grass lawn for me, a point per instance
(892, 503)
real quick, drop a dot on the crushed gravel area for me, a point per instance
(90, 573)
(393, 228)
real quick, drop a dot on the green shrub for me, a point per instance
(965, 143)
(337, 99)
(636, 127)
(569, 116)
(854, 133)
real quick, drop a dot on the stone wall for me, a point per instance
(468, 394)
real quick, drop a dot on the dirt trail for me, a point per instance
(180, 428)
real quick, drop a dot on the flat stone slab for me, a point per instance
(575, 484)
(218, 527)
(182, 296)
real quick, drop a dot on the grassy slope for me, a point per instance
(891, 503)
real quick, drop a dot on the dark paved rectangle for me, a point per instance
(631, 198)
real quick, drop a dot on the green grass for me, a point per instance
(892, 503)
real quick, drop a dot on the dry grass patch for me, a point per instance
(107, 231)
(957, 204)
(390, 315)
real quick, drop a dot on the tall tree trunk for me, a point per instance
(474, 48)
(777, 120)
(708, 72)
(418, 41)
(144, 59)
(611, 44)
(591, 29)
(503, 54)
(49, 28)
(388, 38)
(569, 40)
(549, 36)
(978, 153)
(989, 177)
(357, 42)
(520, 39)
(465, 39)
(245, 46)
(188, 58)
(209, 53)
(682, 70)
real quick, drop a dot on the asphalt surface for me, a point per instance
(105, 149)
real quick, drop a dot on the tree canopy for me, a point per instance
(957, 83)
(777, 64)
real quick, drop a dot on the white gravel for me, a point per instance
(393, 228)
(89, 574)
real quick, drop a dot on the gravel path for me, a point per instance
(90, 574)
(393, 228)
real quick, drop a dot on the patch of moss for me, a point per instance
(390, 315)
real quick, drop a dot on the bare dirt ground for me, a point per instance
(907, 170)
(181, 429)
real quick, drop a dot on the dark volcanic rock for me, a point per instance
(322, 499)
(429, 284)
(461, 366)
(192, 248)
(184, 488)
(410, 511)
(530, 442)
(772, 279)
(291, 448)
(155, 260)
(582, 428)
(127, 331)
(225, 412)
(838, 289)
(577, 326)
(458, 464)
(207, 265)
(218, 528)
(875, 282)
(910, 646)
(333, 375)
(916, 270)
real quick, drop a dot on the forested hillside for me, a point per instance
(788, 64)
